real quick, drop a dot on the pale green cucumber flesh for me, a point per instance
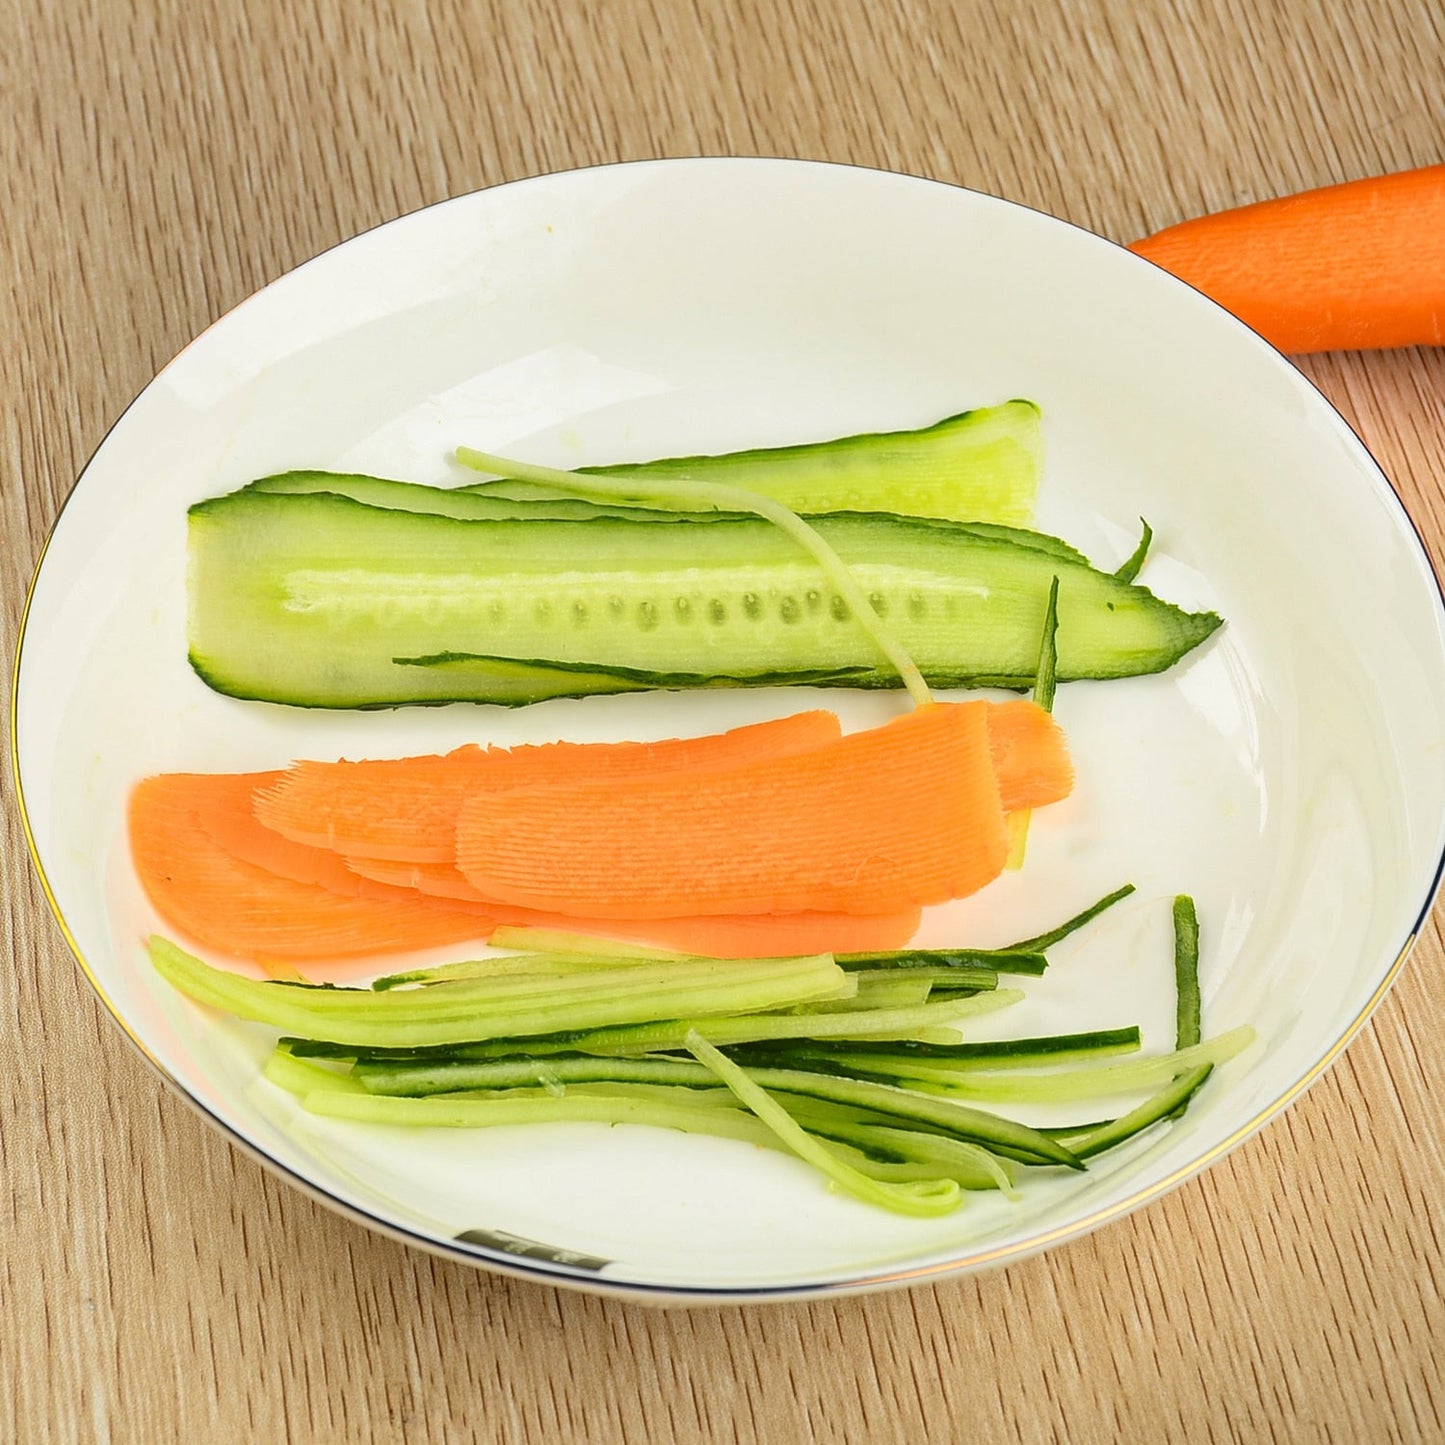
(981, 465)
(318, 600)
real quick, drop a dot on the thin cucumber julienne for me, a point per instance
(1188, 1024)
(679, 494)
(1012, 1053)
(899, 1157)
(1025, 957)
(1063, 1085)
(924, 1197)
(1186, 973)
(470, 1010)
(1169, 1103)
(973, 966)
(1045, 941)
(899, 1106)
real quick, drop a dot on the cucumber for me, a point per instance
(459, 502)
(317, 599)
(981, 465)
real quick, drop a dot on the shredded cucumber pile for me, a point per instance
(856, 1064)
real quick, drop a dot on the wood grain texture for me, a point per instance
(157, 164)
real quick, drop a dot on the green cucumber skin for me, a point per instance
(310, 599)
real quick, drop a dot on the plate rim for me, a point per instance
(642, 1291)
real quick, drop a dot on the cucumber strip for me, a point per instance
(881, 990)
(1131, 568)
(310, 598)
(948, 982)
(1169, 1103)
(1070, 1085)
(494, 1111)
(927, 1112)
(681, 493)
(952, 980)
(748, 1028)
(659, 1107)
(449, 1013)
(789, 1023)
(969, 1165)
(299, 1076)
(1188, 1023)
(924, 1198)
(518, 1071)
(1045, 941)
(701, 1096)
(973, 1166)
(983, 464)
(1186, 973)
(971, 964)
(561, 941)
(880, 1101)
(545, 965)
(1014, 1053)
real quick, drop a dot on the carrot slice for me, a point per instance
(238, 908)
(1030, 755)
(1354, 265)
(223, 807)
(899, 816)
(405, 809)
(434, 880)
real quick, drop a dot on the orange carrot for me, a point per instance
(1029, 755)
(434, 880)
(405, 810)
(223, 808)
(895, 817)
(238, 908)
(215, 871)
(1354, 265)
(220, 806)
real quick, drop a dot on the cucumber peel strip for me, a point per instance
(680, 494)
(1045, 941)
(1130, 569)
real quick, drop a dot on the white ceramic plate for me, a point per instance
(1289, 775)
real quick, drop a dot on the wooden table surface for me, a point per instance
(160, 162)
